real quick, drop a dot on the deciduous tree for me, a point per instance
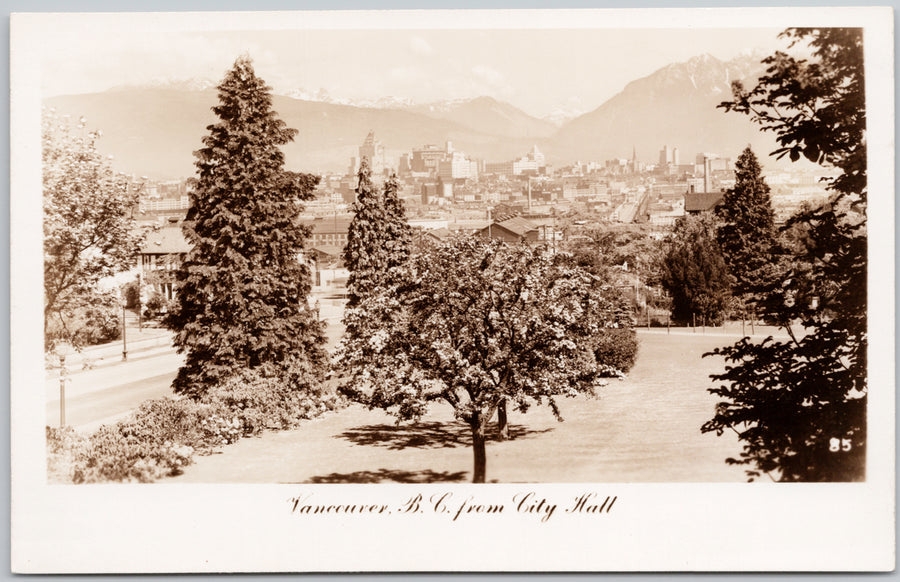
(472, 323)
(242, 289)
(89, 233)
(799, 406)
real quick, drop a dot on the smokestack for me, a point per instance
(706, 177)
(529, 193)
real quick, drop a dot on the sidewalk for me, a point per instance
(729, 330)
(148, 340)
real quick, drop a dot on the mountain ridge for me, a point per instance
(154, 130)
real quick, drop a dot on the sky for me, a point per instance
(538, 71)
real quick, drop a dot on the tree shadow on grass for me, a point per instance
(425, 435)
(389, 476)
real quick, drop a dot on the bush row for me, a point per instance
(95, 323)
(163, 435)
(617, 347)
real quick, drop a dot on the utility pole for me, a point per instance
(529, 193)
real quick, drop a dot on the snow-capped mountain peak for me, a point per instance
(321, 95)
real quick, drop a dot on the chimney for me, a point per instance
(707, 182)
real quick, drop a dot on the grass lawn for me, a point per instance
(642, 429)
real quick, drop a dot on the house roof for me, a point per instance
(467, 225)
(438, 233)
(328, 250)
(517, 225)
(330, 225)
(168, 240)
(702, 201)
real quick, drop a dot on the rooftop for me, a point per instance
(329, 225)
(702, 201)
(168, 240)
(518, 225)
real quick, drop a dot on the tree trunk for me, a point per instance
(502, 422)
(478, 450)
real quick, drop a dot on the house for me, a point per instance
(329, 230)
(437, 234)
(515, 229)
(162, 252)
(327, 267)
(698, 202)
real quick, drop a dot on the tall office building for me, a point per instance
(665, 156)
(373, 151)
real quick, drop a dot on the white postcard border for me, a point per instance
(215, 528)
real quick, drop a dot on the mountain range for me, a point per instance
(153, 130)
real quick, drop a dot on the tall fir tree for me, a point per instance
(242, 289)
(397, 231)
(746, 233)
(694, 272)
(363, 256)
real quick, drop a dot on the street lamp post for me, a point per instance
(124, 339)
(62, 350)
(140, 304)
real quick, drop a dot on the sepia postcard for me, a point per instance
(453, 291)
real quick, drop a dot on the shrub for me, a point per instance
(113, 455)
(277, 397)
(156, 305)
(171, 419)
(62, 447)
(96, 323)
(160, 438)
(618, 348)
(132, 293)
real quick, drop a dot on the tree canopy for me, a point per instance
(746, 230)
(694, 271)
(89, 232)
(474, 323)
(378, 239)
(799, 406)
(363, 254)
(242, 289)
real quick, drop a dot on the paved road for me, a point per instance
(103, 395)
(643, 429)
(114, 388)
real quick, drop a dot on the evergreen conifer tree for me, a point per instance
(362, 255)
(397, 231)
(242, 289)
(746, 234)
(694, 272)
